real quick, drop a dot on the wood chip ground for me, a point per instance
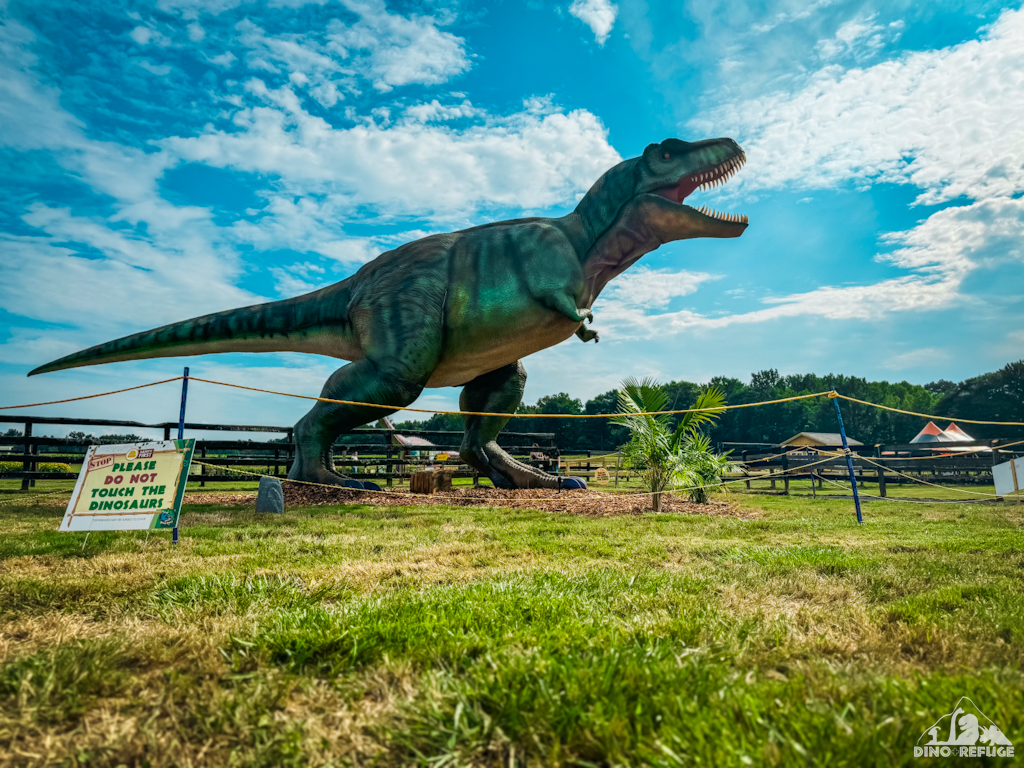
(594, 504)
(567, 502)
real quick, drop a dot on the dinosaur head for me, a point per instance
(673, 170)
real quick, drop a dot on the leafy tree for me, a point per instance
(940, 387)
(440, 422)
(667, 458)
(997, 396)
(115, 439)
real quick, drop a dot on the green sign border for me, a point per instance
(185, 447)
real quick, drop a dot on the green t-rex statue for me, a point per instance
(461, 309)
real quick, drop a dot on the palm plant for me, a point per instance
(665, 458)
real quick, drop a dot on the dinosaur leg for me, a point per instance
(362, 381)
(500, 391)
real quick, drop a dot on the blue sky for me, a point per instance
(172, 158)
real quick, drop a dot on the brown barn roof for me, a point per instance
(825, 439)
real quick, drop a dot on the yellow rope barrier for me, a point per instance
(830, 394)
(925, 482)
(929, 415)
(885, 498)
(511, 415)
(769, 476)
(89, 397)
(953, 454)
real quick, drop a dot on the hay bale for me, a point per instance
(430, 481)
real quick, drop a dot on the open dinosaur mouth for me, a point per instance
(707, 178)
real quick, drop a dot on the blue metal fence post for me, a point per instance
(834, 396)
(181, 435)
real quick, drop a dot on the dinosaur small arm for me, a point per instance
(461, 309)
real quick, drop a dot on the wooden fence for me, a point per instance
(375, 457)
(939, 463)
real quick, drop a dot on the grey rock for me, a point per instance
(270, 497)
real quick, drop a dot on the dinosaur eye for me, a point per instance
(667, 155)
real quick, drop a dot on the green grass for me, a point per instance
(475, 636)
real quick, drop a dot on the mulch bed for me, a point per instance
(566, 502)
(593, 504)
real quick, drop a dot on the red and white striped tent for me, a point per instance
(951, 434)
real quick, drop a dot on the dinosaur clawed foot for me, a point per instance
(322, 473)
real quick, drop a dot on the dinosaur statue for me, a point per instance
(461, 309)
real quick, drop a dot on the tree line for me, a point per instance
(996, 396)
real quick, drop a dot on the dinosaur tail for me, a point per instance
(315, 322)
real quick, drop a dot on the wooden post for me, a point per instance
(26, 463)
(618, 461)
(881, 482)
(785, 477)
(202, 468)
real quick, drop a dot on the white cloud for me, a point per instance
(192, 9)
(298, 278)
(159, 70)
(916, 358)
(30, 113)
(643, 287)
(787, 18)
(399, 50)
(168, 262)
(940, 253)
(859, 37)
(387, 49)
(162, 277)
(225, 59)
(146, 35)
(946, 121)
(146, 261)
(141, 35)
(404, 166)
(599, 15)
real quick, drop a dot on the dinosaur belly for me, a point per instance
(472, 352)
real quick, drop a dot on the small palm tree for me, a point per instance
(667, 458)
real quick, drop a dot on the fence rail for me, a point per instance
(371, 453)
(936, 463)
(376, 457)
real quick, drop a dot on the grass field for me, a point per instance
(786, 635)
